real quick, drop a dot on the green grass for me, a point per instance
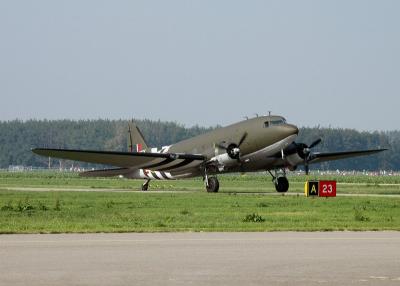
(229, 183)
(240, 206)
(63, 212)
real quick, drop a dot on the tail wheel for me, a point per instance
(282, 185)
(145, 185)
(212, 185)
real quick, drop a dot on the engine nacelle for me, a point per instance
(224, 160)
(293, 160)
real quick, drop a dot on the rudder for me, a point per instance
(137, 143)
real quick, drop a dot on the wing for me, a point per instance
(106, 172)
(141, 160)
(318, 157)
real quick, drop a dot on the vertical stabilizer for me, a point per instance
(136, 139)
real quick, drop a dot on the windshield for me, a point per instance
(274, 122)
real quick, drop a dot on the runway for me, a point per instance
(283, 258)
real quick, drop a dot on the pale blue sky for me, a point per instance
(202, 62)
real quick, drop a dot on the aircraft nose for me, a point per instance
(292, 129)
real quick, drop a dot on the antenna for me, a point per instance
(256, 114)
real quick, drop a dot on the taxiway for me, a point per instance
(283, 258)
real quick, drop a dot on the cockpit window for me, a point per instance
(274, 122)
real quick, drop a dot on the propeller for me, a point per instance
(307, 156)
(304, 151)
(233, 149)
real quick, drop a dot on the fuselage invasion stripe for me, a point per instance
(155, 175)
(164, 175)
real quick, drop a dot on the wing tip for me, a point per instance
(380, 150)
(39, 151)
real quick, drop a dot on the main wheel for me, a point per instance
(282, 185)
(212, 185)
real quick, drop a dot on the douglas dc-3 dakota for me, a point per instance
(265, 143)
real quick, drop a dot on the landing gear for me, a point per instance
(280, 181)
(212, 185)
(145, 185)
(281, 185)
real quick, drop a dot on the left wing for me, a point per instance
(318, 157)
(136, 160)
(106, 172)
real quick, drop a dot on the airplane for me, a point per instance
(263, 143)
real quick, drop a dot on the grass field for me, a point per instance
(240, 206)
(229, 183)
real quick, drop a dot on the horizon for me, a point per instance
(187, 126)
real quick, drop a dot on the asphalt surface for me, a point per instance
(284, 258)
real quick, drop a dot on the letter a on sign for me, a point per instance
(313, 188)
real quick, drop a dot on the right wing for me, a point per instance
(136, 160)
(318, 157)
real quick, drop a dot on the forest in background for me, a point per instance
(18, 137)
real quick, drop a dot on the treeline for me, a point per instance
(18, 137)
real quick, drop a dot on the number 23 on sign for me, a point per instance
(327, 188)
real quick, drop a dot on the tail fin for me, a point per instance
(136, 139)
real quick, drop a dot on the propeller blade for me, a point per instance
(243, 138)
(315, 143)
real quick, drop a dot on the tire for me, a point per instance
(213, 185)
(282, 185)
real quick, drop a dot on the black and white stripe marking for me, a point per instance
(170, 164)
(155, 175)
